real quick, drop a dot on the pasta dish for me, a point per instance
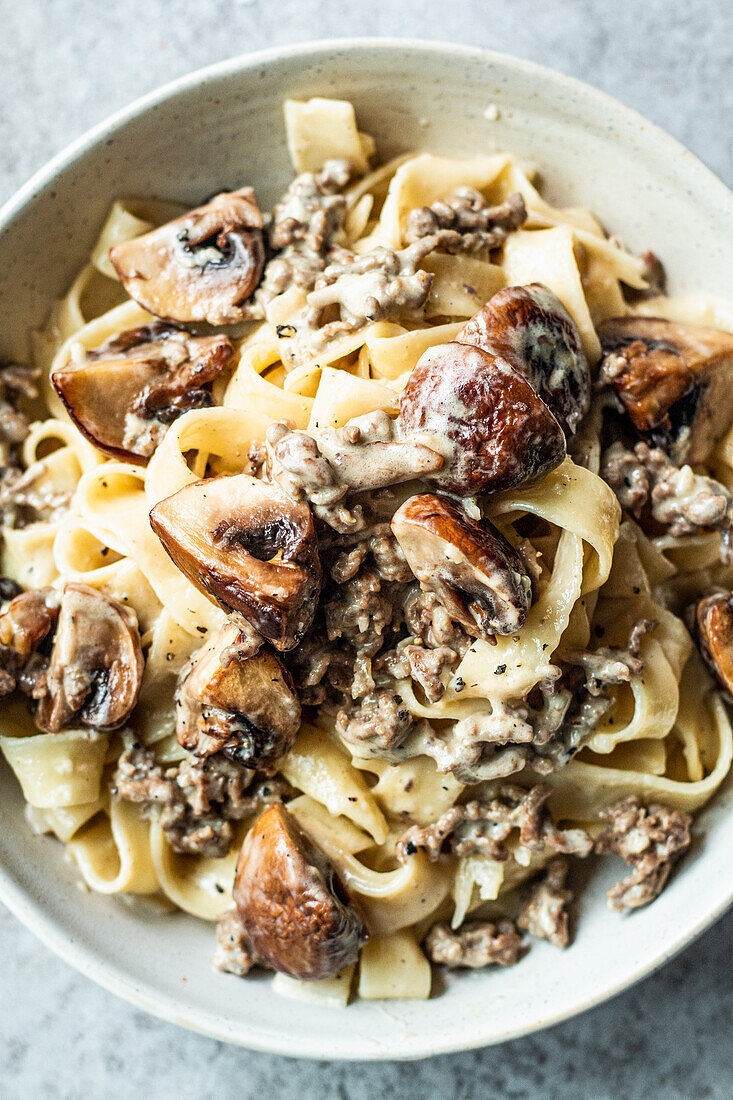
(366, 565)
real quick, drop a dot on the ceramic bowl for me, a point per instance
(220, 128)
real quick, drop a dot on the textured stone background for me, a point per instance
(65, 65)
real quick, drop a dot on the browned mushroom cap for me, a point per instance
(475, 573)
(296, 911)
(28, 619)
(237, 702)
(530, 328)
(96, 663)
(201, 267)
(713, 621)
(498, 432)
(128, 390)
(249, 548)
(675, 381)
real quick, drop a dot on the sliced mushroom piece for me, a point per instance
(296, 911)
(484, 416)
(201, 267)
(126, 392)
(96, 663)
(28, 619)
(675, 381)
(713, 622)
(236, 701)
(530, 328)
(476, 574)
(249, 548)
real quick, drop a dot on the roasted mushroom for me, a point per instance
(530, 328)
(674, 381)
(234, 701)
(25, 624)
(126, 392)
(249, 548)
(484, 416)
(28, 619)
(475, 573)
(713, 623)
(201, 267)
(296, 912)
(96, 663)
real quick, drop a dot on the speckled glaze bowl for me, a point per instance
(220, 128)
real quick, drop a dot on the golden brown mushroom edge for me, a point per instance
(295, 910)
(237, 702)
(126, 392)
(202, 266)
(249, 548)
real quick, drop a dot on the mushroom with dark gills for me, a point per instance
(96, 663)
(295, 910)
(473, 570)
(530, 328)
(234, 701)
(249, 548)
(202, 266)
(484, 416)
(126, 392)
(674, 381)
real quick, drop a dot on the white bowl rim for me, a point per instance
(33, 915)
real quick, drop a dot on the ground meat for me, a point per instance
(485, 827)
(543, 912)
(428, 620)
(312, 210)
(476, 944)
(16, 382)
(380, 285)
(427, 667)
(234, 954)
(386, 555)
(197, 800)
(377, 726)
(366, 454)
(651, 840)
(305, 232)
(465, 222)
(360, 611)
(22, 501)
(608, 665)
(677, 497)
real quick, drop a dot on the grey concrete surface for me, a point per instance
(65, 65)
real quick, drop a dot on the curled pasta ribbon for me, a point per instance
(113, 852)
(196, 884)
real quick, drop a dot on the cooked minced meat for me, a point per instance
(543, 911)
(16, 383)
(312, 210)
(486, 826)
(367, 454)
(22, 500)
(383, 284)
(476, 944)
(465, 222)
(378, 725)
(305, 232)
(681, 500)
(428, 620)
(382, 547)
(545, 729)
(197, 800)
(651, 839)
(234, 954)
